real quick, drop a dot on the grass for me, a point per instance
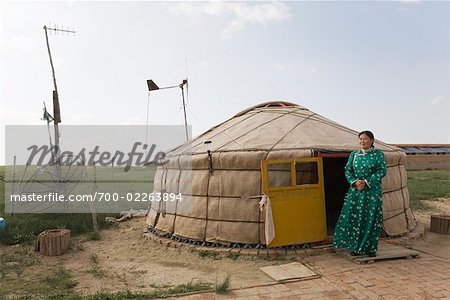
(17, 282)
(190, 287)
(60, 279)
(94, 258)
(96, 270)
(16, 262)
(428, 185)
(280, 258)
(94, 236)
(60, 286)
(76, 245)
(223, 287)
(159, 286)
(23, 228)
(206, 253)
(233, 255)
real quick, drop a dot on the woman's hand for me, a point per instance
(360, 185)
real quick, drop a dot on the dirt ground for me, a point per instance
(433, 243)
(125, 260)
(132, 261)
(439, 206)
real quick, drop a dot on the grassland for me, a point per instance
(23, 228)
(428, 185)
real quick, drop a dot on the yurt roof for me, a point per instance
(277, 125)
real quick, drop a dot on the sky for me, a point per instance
(382, 66)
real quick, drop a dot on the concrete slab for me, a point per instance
(287, 272)
(433, 243)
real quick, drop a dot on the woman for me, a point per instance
(359, 225)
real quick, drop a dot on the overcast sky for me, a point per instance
(383, 66)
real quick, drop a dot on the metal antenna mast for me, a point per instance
(185, 82)
(56, 109)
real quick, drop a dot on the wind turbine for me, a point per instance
(152, 86)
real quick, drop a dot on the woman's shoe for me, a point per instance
(372, 254)
(354, 254)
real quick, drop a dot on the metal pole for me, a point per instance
(56, 111)
(146, 124)
(184, 110)
(168, 87)
(13, 190)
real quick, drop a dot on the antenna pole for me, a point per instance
(184, 110)
(56, 108)
(146, 124)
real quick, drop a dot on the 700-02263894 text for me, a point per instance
(97, 196)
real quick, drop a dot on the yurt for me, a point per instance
(279, 151)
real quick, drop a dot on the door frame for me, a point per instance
(294, 193)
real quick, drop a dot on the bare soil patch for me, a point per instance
(433, 243)
(437, 206)
(132, 261)
(125, 260)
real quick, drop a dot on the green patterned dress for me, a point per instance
(359, 225)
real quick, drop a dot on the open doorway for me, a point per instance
(336, 187)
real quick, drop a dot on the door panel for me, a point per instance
(295, 189)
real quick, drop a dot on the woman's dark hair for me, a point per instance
(368, 133)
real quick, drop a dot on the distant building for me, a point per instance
(426, 156)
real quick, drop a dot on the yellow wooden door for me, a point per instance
(296, 191)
